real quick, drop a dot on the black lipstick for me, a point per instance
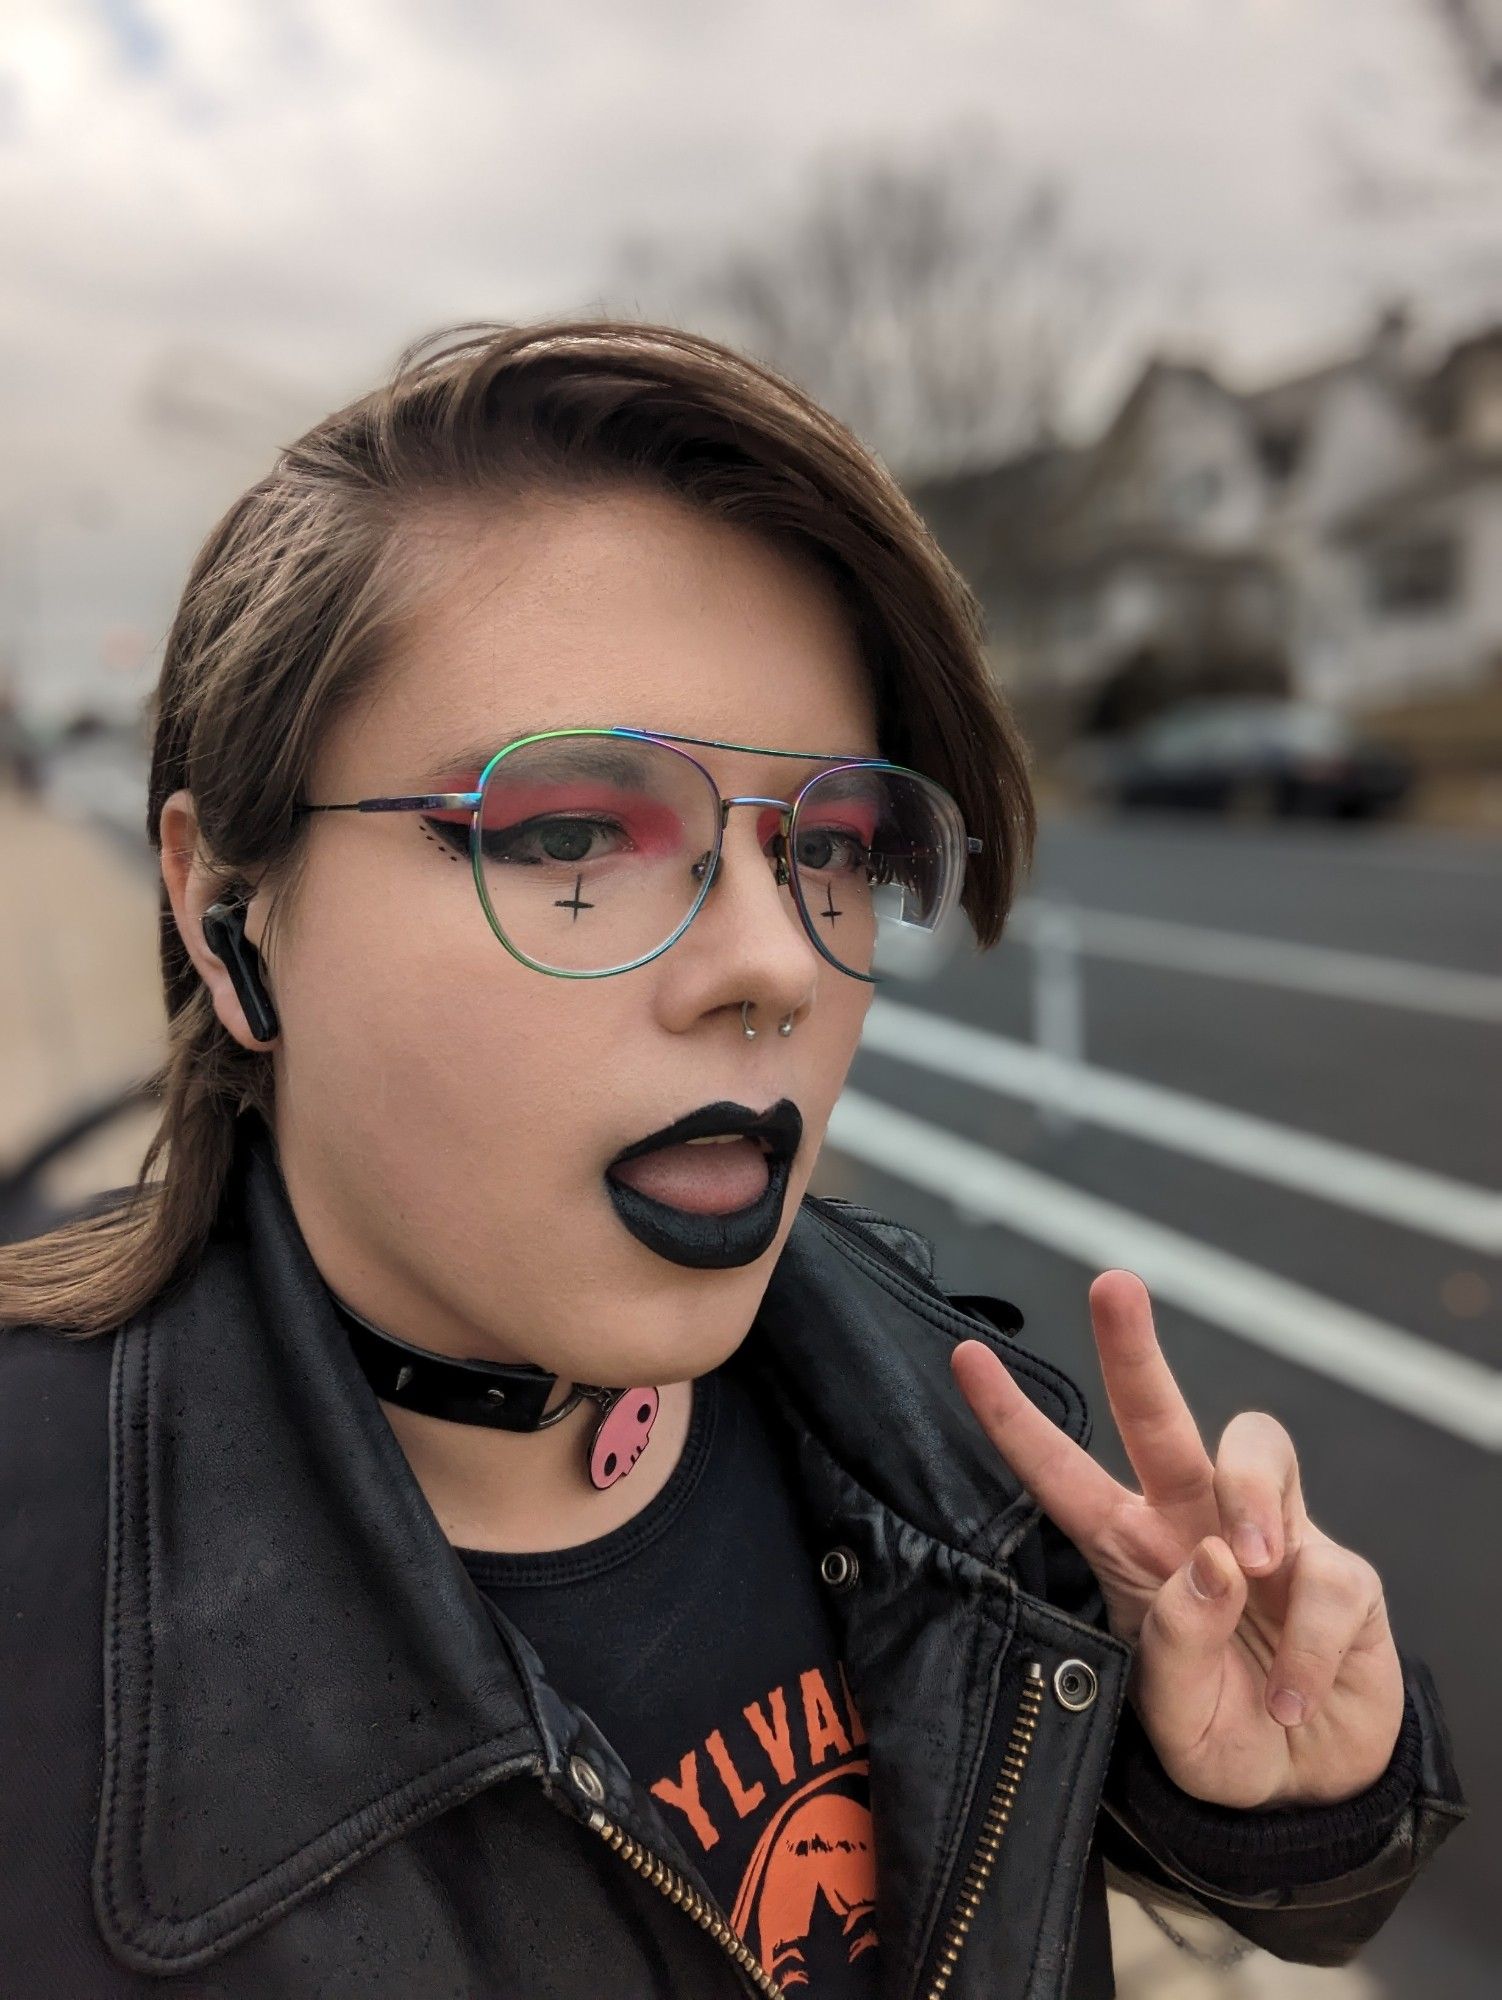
(713, 1242)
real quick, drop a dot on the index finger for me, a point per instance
(1075, 1493)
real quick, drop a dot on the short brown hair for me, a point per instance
(293, 602)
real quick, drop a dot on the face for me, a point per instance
(445, 1113)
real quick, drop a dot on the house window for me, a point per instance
(1418, 575)
(1192, 493)
(1281, 450)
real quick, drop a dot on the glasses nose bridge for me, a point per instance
(784, 806)
(785, 814)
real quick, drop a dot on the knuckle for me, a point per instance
(1308, 1667)
(1168, 1617)
(1247, 1490)
(1364, 1582)
(1342, 1578)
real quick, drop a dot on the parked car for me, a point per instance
(1251, 755)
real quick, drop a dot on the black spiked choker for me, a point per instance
(506, 1396)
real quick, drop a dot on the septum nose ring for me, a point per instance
(784, 1026)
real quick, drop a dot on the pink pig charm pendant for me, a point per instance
(621, 1435)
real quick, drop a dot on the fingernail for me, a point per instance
(1250, 1545)
(1205, 1580)
(1288, 1707)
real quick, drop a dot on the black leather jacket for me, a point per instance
(262, 1736)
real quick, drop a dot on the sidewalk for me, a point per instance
(1150, 1966)
(80, 1005)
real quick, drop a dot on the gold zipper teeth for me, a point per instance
(998, 1812)
(651, 1865)
(661, 1875)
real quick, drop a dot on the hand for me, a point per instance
(1239, 1607)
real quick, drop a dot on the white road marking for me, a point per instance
(1431, 1203)
(1447, 1390)
(1305, 968)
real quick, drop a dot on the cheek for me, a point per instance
(409, 1024)
(389, 980)
(838, 1017)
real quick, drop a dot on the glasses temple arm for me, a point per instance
(419, 802)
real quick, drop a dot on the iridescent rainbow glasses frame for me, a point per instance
(593, 849)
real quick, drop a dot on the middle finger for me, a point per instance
(1157, 1426)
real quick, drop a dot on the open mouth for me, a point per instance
(715, 1160)
(707, 1190)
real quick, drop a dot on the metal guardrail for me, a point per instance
(24, 1209)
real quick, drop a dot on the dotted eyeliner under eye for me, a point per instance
(443, 846)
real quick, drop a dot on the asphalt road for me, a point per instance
(1362, 1306)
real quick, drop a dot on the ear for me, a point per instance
(192, 885)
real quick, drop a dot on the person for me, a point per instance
(475, 1523)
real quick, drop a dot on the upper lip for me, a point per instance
(780, 1127)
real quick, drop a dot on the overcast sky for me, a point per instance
(256, 203)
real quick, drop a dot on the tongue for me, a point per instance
(707, 1180)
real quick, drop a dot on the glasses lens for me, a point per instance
(592, 848)
(879, 865)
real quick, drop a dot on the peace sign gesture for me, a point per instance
(1265, 1671)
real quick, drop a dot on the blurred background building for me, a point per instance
(1334, 535)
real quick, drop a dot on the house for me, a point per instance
(1416, 560)
(1336, 534)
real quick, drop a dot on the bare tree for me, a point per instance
(1475, 28)
(937, 303)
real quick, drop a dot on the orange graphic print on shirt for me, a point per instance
(789, 1770)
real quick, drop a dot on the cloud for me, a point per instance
(301, 188)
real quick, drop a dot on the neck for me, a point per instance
(529, 1491)
(517, 1491)
(523, 1490)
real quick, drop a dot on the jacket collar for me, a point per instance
(285, 1620)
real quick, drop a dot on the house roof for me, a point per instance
(995, 523)
(1022, 518)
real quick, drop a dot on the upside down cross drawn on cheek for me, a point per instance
(575, 905)
(831, 912)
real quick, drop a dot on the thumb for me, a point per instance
(1181, 1647)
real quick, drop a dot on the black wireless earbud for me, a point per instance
(224, 932)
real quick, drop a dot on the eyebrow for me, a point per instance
(443, 764)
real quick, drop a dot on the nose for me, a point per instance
(779, 839)
(773, 958)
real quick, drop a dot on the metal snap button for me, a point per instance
(840, 1568)
(587, 1778)
(1074, 1684)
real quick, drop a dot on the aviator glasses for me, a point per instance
(593, 849)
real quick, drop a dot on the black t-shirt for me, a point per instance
(698, 1638)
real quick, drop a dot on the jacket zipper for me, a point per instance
(706, 1914)
(994, 1826)
(1029, 1706)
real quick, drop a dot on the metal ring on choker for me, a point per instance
(509, 1396)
